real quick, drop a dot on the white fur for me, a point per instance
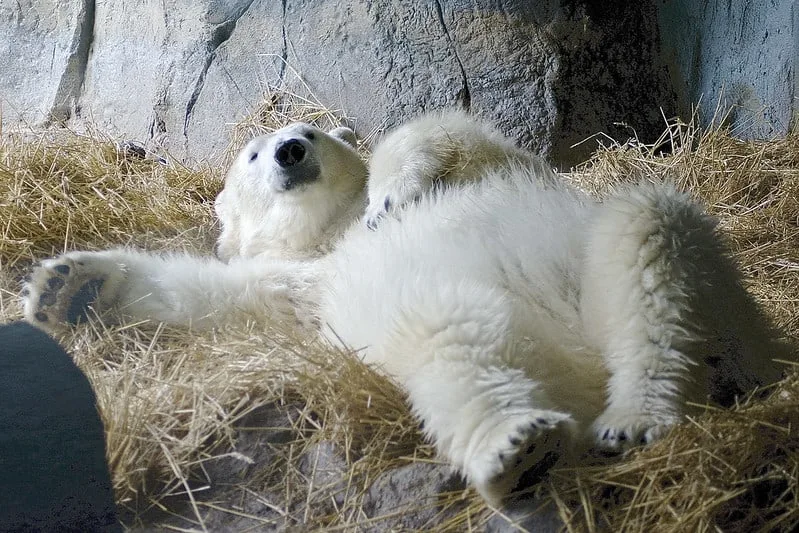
(520, 315)
(260, 216)
(449, 148)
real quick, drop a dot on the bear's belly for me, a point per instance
(516, 241)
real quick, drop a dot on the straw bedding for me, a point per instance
(174, 402)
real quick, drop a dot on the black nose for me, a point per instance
(290, 153)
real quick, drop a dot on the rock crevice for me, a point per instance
(67, 95)
(219, 35)
(464, 94)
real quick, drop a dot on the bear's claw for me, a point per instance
(620, 432)
(391, 206)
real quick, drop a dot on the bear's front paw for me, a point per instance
(375, 213)
(618, 430)
(391, 204)
(64, 289)
(518, 453)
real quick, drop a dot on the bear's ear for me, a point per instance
(346, 135)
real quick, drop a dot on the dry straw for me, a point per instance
(174, 402)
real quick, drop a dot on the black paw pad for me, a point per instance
(82, 299)
(536, 473)
(47, 299)
(55, 283)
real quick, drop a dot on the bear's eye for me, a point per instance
(311, 136)
(254, 156)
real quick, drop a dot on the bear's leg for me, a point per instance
(455, 346)
(176, 289)
(493, 423)
(663, 302)
(411, 159)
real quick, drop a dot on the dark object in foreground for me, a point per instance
(52, 445)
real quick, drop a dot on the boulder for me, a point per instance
(178, 75)
(45, 46)
(406, 498)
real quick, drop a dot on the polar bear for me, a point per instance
(523, 318)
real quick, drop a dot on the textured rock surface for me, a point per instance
(531, 515)
(412, 487)
(402, 499)
(551, 76)
(178, 74)
(44, 46)
(255, 456)
(743, 54)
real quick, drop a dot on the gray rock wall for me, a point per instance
(742, 54)
(41, 57)
(551, 73)
(178, 74)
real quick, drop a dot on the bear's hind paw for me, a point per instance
(620, 432)
(519, 454)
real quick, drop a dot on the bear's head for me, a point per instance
(286, 193)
